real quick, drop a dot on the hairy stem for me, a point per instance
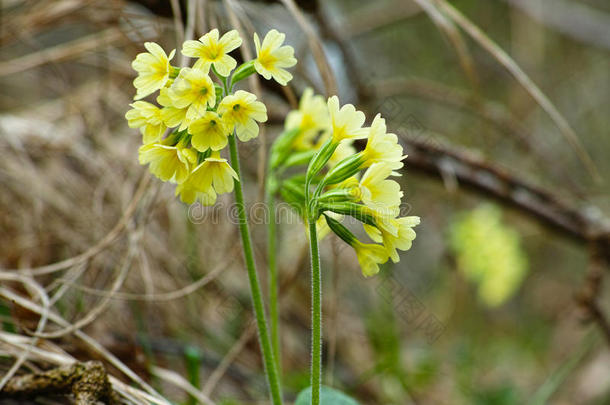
(273, 278)
(255, 287)
(316, 304)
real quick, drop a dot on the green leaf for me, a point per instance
(328, 396)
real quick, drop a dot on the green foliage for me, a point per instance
(192, 359)
(489, 254)
(328, 396)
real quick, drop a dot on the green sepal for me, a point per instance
(243, 71)
(320, 159)
(174, 72)
(294, 195)
(299, 158)
(352, 209)
(340, 230)
(280, 150)
(343, 170)
(337, 195)
(218, 90)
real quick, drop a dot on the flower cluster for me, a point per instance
(183, 136)
(341, 181)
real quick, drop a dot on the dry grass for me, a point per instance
(90, 242)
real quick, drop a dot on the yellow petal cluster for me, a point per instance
(272, 58)
(210, 49)
(364, 179)
(153, 69)
(184, 134)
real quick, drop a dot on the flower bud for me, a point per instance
(340, 230)
(320, 159)
(357, 211)
(243, 71)
(337, 196)
(343, 170)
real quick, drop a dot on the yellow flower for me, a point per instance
(196, 187)
(311, 118)
(189, 194)
(272, 57)
(403, 238)
(209, 132)
(217, 172)
(210, 49)
(346, 123)
(382, 146)
(379, 193)
(240, 111)
(147, 117)
(153, 69)
(169, 163)
(171, 115)
(194, 89)
(369, 257)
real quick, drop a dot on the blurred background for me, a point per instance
(500, 301)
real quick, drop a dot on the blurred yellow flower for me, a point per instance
(310, 119)
(272, 57)
(208, 132)
(489, 253)
(194, 89)
(382, 146)
(240, 111)
(370, 256)
(211, 49)
(346, 122)
(148, 118)
(168, 163)
(153, 69)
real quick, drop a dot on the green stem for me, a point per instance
(273, 279)
(255, 287)
(316, 304)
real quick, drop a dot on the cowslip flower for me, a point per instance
(310, 119)
(272, 57)
(189, 192)
(171, 115)
(208, 132)
(168, 163)
(214, 50)
(346, 122)
(378, 192)
(153, 69)
(382, 146)
(402, 240)
(147, 117)
(194, 89)
(370, 256)
(240, 111)
(218, 172)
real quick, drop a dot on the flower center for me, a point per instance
(236, 107)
